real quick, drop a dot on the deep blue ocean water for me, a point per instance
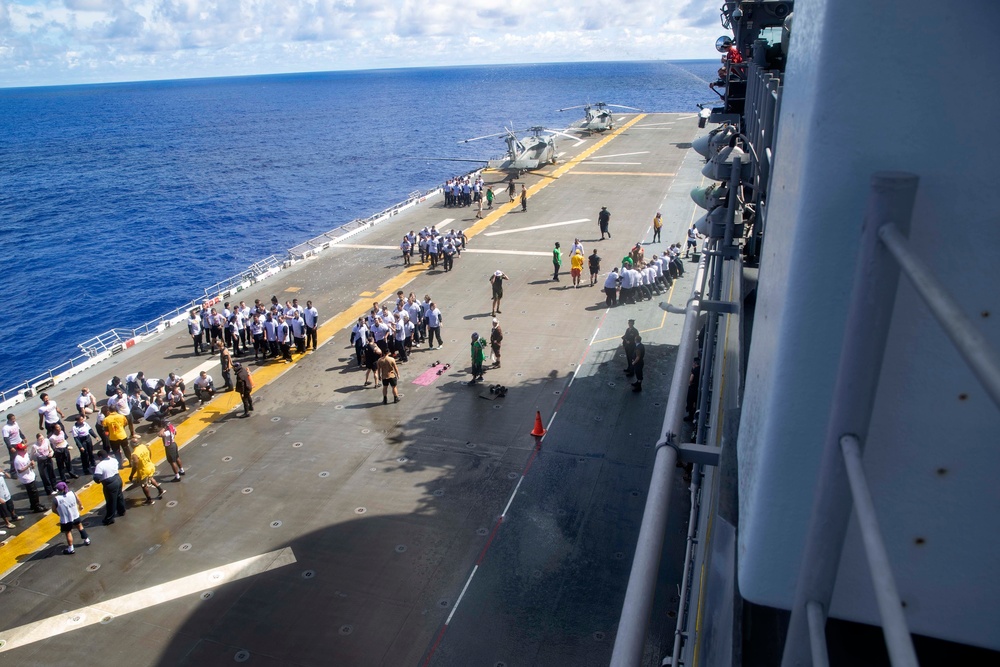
(121, 202)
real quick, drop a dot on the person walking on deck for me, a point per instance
(657, 226)
(511, 190)
(603, 220)
(524, 198)
(556, 261)
(168, 434)
(143, 468)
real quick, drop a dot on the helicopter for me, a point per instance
(526, 153)
(598, 117)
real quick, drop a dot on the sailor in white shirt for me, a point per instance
(194, 329)
(611, 288)
(86, 404)
(311, 318)
(106, 472)
(204, 386)
(12, 437)
(434, 320)
(298, 328)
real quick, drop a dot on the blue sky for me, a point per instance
(54, 42)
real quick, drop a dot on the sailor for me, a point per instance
(434, 320)
(496, 339)
(657, 226)
(84, 436)
(24, 468)
(511, 189)
(143, 468)
(310, 316)
(389, 375)
(611, 288)
(298, 328)
(399, 335)
(628, 344)
(359, 336)
(284, 334)
(204, 386)
(576, 246)
(524, 198)
(405, 247)
(106, 472)
(68, 507)
(449, 255)
(244, 386)
(194, 329)
(478, 352)
(432, 251)
(12, 437)
(496, 282)
(638, 362)
(556, 261)
(256, 328)
(49, 414)
(271, 336)
(86, 404)
(594, 264)
(603, 220)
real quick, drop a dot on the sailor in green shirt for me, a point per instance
(556, 262)
(478, 357)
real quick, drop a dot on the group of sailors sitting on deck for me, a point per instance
(270, 331)
(639, 278)
(434, 247)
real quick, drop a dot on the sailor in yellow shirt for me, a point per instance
(576, 267)
(143, 468)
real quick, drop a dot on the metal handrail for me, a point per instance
(981, 358)
(865, 334)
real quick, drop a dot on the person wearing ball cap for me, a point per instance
(68, 507)
(496, 338)
(496, 280)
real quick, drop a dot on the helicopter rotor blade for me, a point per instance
(622, 106)
(578, 106)
(446, 159)
(485, 136)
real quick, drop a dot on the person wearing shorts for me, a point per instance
(143, 468)
(68, 507)
(169, 436)
(389, 375)
(576, 267)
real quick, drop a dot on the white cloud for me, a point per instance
(77, 41)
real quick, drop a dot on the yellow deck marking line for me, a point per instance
(20, 547)
(293, 289)
(126, 604)
(624, 173)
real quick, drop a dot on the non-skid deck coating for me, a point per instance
(329, 529)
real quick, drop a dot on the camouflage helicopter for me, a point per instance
(526, 153)
(598, 117)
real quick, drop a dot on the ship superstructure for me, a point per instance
(842, 345)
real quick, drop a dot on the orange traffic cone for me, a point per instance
(539, 430)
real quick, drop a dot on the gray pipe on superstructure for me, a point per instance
(639, 595)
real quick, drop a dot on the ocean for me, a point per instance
(122, 202)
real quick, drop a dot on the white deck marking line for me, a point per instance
(461, 595)
(669, 122)
(601, 157)
(126, 604)
(445, 221)
(533, 227)
(513, 494)
(203, 366)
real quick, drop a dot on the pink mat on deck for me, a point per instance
(428, 376)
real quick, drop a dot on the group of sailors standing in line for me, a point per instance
(433, 247)
(270, 331)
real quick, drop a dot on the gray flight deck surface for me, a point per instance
(432, 531)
